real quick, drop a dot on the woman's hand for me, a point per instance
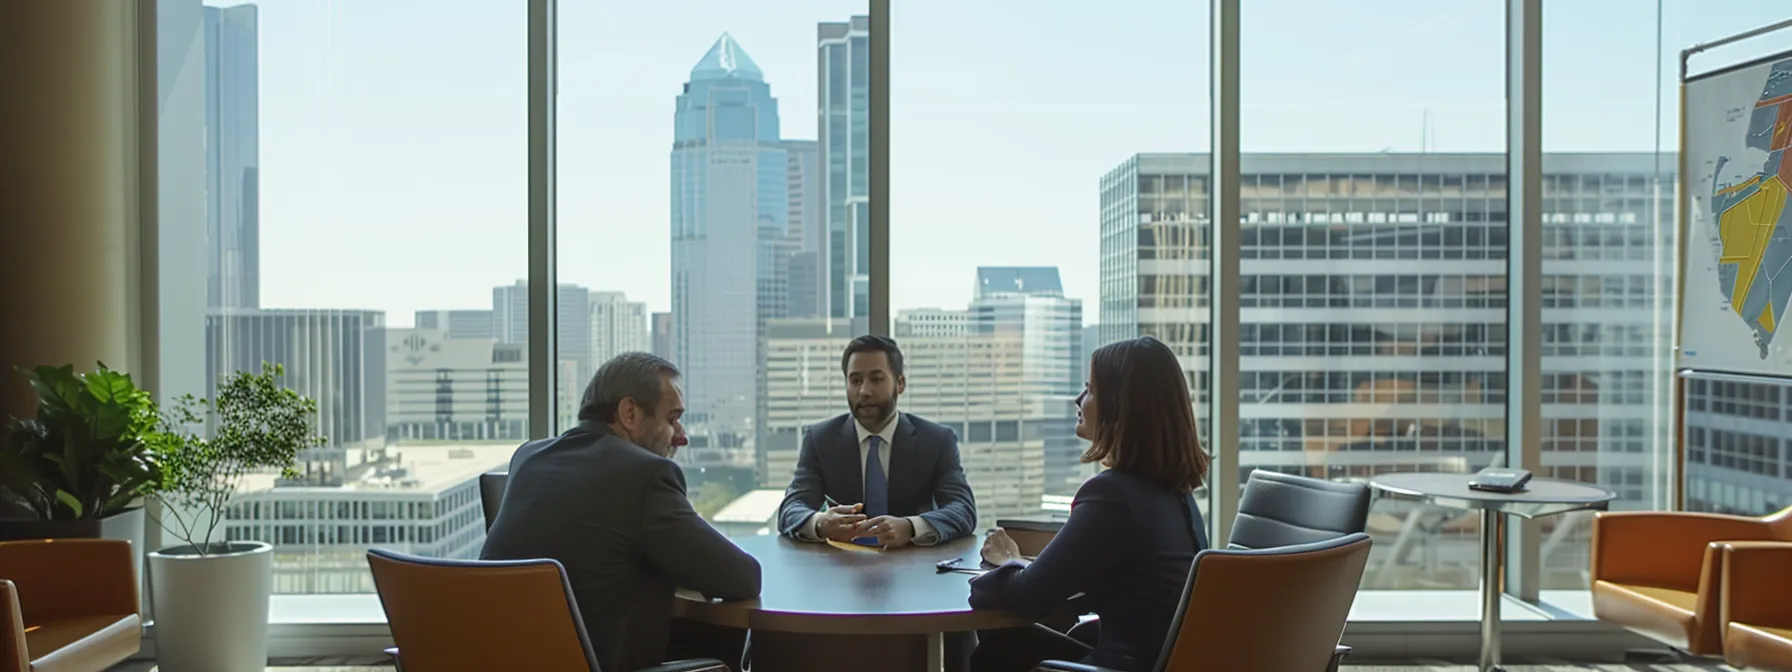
(999, 548)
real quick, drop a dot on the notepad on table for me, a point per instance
(857, 548)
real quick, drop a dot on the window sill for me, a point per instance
(1384, 624)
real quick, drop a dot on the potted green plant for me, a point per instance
(211, 592)
(81, 466)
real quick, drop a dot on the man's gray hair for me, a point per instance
(630, 375)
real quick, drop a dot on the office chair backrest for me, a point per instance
(1280, 509)
(451, 615)
(491, 494)
(1268, 610)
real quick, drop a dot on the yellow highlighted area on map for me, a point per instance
(1767, 317)
(1745, 229)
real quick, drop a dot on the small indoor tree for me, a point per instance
(257, 425)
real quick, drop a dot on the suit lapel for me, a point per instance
(855, 481)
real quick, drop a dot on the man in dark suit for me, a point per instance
(606, 500)
(895, 477)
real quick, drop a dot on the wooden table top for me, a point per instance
(819, 589)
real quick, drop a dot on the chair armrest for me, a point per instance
(1031, 534)
(13, 655)
(1338, 655)
(692, 665)
(71, 578)
(1061, 637)
(1664, 549)
(1067, 666)
(1757, 589)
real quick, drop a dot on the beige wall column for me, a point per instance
(68, 183)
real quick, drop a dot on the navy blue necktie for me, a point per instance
(877, 487)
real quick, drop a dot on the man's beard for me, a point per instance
(879, 412)
(662, 447)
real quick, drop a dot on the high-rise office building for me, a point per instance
(730, 202)
(439, 387)
(510, 322)
(662, 337)
(843, 79)
(912, 322)
(808, 236)
(1738, 445)
(335, 357)
(457, 323)
(1030, 301)
(1373, 310)
(232, 157)
(618, 325)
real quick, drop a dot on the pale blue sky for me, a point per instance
(393, 131)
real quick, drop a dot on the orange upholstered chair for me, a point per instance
(1276, 609)
(449, 615)
(1757, 605)
(1658, 572)
(68, 605)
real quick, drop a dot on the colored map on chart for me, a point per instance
(1753, 224)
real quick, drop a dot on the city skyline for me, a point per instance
(1047, 194)
(460, 155)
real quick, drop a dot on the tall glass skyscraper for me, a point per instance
(232, 158)
(730, 211)
(844, 94)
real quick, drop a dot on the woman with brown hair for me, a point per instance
(1133, 531)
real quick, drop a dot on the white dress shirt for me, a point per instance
(925, 535)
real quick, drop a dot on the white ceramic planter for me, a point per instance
(211, 612)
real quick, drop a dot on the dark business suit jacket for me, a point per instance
(1128, 546)
(925, 478)
(616, 516)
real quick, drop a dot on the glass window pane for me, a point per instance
(1034, 215)
(709, 215)
(1609, 248)
(316, 216)
(1401, 367)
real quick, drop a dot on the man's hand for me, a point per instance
(840, 523)
(891, 532)
(999, 548)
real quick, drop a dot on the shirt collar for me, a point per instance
(888, 433)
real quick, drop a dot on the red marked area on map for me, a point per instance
(1782, 123)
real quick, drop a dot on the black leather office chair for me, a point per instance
(1280, 509)
(491, 494)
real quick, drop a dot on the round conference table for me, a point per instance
(851, 609)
